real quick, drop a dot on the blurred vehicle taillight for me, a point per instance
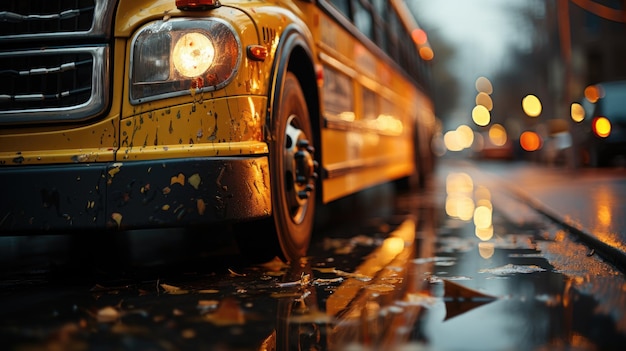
(601, 126)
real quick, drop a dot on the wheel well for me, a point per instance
(301, 65)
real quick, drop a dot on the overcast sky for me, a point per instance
(481, 31)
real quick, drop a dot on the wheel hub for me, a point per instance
(300, 171)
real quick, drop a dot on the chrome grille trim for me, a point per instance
(91, 18)
(48, 105)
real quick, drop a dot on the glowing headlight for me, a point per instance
(193, 54)
(171, 58)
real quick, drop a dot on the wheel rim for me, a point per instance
(299, 168)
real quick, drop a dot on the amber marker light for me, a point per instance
(257, 52)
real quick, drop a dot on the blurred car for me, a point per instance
(601, 135)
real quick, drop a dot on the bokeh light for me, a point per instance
(486, 250)
(451, 140)
(459, 183)
(459, 202)
(484, 85)
(531, 105)
(426, 53)
(481, 115)
(497, 135)
(459, 139)
(465, 135)
(460, 206)
(482, 217)
(419, 36)
(601, 126)
(484, 99)
(484, 234)
(530, 141)
(577, 112)
(593, 93)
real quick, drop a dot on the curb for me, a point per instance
(609, 253)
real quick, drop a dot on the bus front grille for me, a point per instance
(54, 59)
(36, 17)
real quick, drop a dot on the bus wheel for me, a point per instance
(293, 175)
(293, 171)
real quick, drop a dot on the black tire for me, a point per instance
(293, 171)
(293, 176)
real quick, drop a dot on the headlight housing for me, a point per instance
(180, 55)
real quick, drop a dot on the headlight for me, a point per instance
(172, 58)
(193, 55)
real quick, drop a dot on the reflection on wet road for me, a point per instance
(462, 265)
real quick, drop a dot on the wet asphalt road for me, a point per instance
(463, 265)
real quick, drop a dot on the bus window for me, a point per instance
(370, 111)
(343, 6)
(363, 19)
(338, 94)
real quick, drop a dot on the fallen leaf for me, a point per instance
(195, 180)
(114, 171)
(235, 274)
(289, 284)
(174, 290)
(357, 276)
(179, 179)
(320, 282)
(512, 269)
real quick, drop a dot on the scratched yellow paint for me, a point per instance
(222, 127)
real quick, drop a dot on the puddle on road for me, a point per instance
(444, 286)
(545, 301)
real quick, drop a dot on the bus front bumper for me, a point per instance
(134, 195)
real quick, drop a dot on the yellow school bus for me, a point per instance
(125, 114)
